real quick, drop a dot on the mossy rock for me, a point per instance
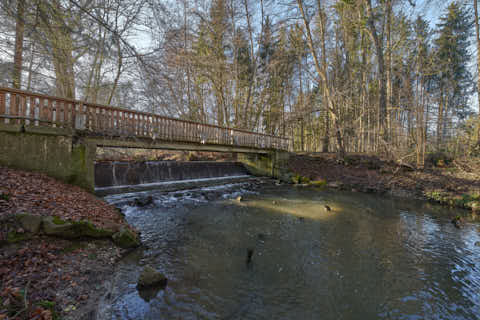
(87, 229)
(55, 226)
(151, 278)
(125, 239)
(14, 237)
(58, 221)
(30, 222)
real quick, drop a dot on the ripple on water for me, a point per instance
(367, 258)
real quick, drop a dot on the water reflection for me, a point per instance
(367, 258)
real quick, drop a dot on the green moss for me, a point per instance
(435, 195)
(73, 229)
(298, 179)
(4, 196)
(86, 228)
(319, 183)
(49, 305)
(14, 237)
(58, 221)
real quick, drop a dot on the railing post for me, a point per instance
(3, 109)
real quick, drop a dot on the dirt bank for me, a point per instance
(456, 183)
(51, 277)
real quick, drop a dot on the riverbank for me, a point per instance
(59, 245)
(454, 183)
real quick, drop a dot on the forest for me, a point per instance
(390, 77)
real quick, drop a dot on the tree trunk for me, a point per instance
(389, 66)
(382, 102)
(323, 23)
(18, 57)
(323, 79)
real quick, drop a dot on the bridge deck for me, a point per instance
(32, 109)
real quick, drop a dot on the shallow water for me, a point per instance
(370, 257)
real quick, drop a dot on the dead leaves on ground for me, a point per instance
(39, 194)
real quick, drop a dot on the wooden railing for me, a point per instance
(32, 109)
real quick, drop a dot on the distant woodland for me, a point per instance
(392, 77)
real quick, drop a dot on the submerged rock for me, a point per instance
(249, 256)
(150, 278)
(457, 222)
(148, 294)
(261, 236)
(143, 202)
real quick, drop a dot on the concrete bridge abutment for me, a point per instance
(274, 163)
(53, 151)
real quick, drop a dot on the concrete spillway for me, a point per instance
(124, 176)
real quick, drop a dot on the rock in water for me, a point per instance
(125, 239)
(239, 198)
(328, 208)
(457, 222)
(143, 202)
(150, 278)
(249, 256)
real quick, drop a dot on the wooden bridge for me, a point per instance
(37, 110)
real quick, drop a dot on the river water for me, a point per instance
(369, 257)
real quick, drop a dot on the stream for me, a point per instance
(368, 257)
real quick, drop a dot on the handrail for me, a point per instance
(34, 109)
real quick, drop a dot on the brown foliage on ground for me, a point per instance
(42, 277)
(36, 193)
(370, 173)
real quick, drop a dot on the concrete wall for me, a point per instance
(273, 164)
(48, 150)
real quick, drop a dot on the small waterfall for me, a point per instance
(126, 175)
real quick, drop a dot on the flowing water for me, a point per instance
(369, 257)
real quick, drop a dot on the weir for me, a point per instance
(121, 176)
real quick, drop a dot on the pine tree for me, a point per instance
(452, 58)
